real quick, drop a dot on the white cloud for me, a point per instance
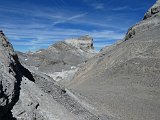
(37, 38)
(69, 18)
(126, 8)
(120, 8)
(36, 33)
(98, 6)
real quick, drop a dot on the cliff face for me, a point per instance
(123, 80)
(84, 43)
(9, 79)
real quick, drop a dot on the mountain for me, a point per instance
(28, 94)
(11, 75)
(64, 54)
(69, 81)
(8, 79)
(60, 61)
(123, 80)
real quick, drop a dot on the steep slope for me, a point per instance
(9, 76)
(11, 73)
(123, 80)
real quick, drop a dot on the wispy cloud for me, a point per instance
(98, 6)
(37, 27)
(121, 8)
(34, 39)
(69, 18)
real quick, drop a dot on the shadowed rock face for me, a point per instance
(11, 73)
(124, 80)
(8, 73)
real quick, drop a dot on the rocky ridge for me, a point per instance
(11, 74)
(60, 60)
(28, 94)
(153, 11)
(123, 80)
(8, 73)
(120, 83)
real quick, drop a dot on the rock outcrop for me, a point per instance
(150, 21)
(26, 95)
(153, 11)
(84, 42)
(123, 81)
(9, 76)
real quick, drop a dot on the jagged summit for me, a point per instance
(83, 42)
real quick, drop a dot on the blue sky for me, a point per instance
(35, 24)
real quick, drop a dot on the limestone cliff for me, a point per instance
(83, 42)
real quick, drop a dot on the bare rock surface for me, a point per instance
(35, 104)
(60, 56)
(9, 76)
(123, 80)
(32, 95)
(153, 11)
(84, 42)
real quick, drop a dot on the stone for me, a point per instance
(155, 9)
(8, 76)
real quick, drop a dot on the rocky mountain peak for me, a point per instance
(83, 42)
(154, 10)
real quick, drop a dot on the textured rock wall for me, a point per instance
(8, 75)
(84, 42)
(153, 10)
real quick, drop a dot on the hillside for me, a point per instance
(123, 80)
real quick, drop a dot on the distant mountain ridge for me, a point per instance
(61, 55)
(69, 81)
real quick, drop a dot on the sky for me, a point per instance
(34, 24)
